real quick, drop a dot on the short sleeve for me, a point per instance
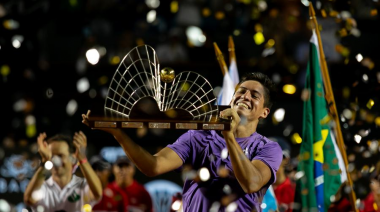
(182, 146)
(271, 155)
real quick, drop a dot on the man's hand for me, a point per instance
(43, 148)
(85, 121)
(80, 143)
(235, 119)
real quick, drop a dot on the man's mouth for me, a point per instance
(243, 105)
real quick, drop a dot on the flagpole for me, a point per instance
(332, 106)
(231, 49)
(220, 58)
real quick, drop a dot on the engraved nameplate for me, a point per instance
(158, 125)
(132, 125)
(105, 124)
(213, 126)
(188, 126)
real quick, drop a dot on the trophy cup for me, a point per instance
(141, 95)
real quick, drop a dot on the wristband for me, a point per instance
(84, 160)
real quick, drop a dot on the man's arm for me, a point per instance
(96, 190)
(251, 175)
(38, 177)
(151, 165)
(34, 184)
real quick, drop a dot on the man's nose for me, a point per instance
(246, 95)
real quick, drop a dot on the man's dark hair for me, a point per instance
(62, 138)
(269, 86)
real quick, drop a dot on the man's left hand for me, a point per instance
(80, 143)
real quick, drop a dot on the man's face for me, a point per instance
(248, 101)
(61, 150)
(123, 172)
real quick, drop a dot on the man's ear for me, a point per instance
(265, 113)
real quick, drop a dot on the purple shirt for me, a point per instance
(203, 149)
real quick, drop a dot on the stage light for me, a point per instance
(289, 89)
(48, 165)
(176, 205)
(93, 56)
(359, 57)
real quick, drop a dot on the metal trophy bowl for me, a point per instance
(142, 95)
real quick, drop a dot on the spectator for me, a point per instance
(63, 191)
(284, 188)
(113, 199)
(138, 197)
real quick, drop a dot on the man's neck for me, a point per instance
(124, 183)
(62, 181)
(243, 131)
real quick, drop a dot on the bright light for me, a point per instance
(231, 207)
(268, 51)
(38, 195)
(174, 6)
(87, 208)
(224, 153)
(305, 2)
(151, 16)
(17, 40)
(195, 36)
(357, 138)
(263, 205)
(30, 120)
(365, 77)
(93, 56)
(204, 174)
(16, 44)
(48, 165)
(152, 3)
(262, 5)
(359, 57)
(24, 210)
(71, 107)
(259, 38)
(289, 89)
(298, 175)
(279, 114)
(176, 205)
(202, 38)
(297, 138)
(4, 205)
(83, 85)
(347, 113)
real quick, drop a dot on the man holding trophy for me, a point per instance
(242, 163)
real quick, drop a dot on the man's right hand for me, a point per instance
(43, 148)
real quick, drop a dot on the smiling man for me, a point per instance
(241, 163)
(63, 191)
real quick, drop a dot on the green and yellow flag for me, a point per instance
(318, 169)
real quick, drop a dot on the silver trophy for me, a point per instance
(142, 95)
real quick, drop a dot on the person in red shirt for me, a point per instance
(372, 201)
(113, 199)
(139, 199)
(284, 188)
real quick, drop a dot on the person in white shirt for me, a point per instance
(63, 191)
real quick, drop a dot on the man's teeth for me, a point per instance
(244, 105)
